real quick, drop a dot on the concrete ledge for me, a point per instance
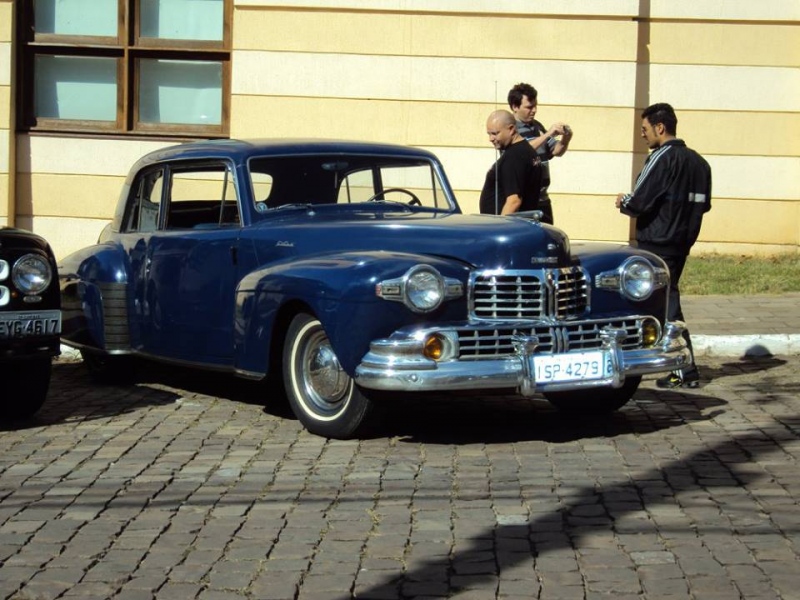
(746, 345)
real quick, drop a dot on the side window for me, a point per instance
(144, 205)
(202, 197)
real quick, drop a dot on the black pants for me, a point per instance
(675, 265)
(547, 211)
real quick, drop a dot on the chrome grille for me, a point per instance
(534, 294)
(508, 297)
(571, 293)
(115, 315)
(493, 343)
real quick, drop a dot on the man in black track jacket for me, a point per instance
(671, 195)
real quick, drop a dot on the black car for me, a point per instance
(30, 321)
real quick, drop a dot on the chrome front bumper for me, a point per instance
(397, 364)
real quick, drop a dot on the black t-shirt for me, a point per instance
(545, 151)
(516, 172)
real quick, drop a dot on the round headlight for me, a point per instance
(638, 279)
(424, 289)
(31, 274)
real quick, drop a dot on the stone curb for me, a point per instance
(782, 344)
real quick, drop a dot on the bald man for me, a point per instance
(514, 181)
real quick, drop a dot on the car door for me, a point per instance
(188, 273)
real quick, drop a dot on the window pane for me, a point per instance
(182, 19)
(180, 91)
(76, 87)
(357, 187)
(76, 17)
(419, 180)
(144, 207)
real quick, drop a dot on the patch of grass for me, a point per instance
(707, 274)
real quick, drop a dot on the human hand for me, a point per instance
(561, 129)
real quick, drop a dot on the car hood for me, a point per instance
(482, 241)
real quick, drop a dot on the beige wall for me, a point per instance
(427, 72)
(430, 79)
(6, 115)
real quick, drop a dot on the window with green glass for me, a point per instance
(126, 66)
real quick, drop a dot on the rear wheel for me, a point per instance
(323, 397)
(32, 380)
(594, 401)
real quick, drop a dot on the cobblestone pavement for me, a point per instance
(183, 486)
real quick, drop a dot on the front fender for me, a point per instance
(599, 257)
(88, 279)
(340, 291)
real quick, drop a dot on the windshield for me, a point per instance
(316, 180)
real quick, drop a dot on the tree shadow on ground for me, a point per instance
(742, 366)
(709, 480)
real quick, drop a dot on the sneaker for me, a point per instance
(691, 379)
(669, 382)
(675, 379)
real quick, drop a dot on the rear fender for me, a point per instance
(340, 291)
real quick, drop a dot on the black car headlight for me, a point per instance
(636, 278)
(31, 274)
(422, 289)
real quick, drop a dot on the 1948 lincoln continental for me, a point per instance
(348, 270)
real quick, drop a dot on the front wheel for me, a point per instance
(31, 379)
(594, 401)
(323, 397)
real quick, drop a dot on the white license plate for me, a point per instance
(30, 324)
(578, 366)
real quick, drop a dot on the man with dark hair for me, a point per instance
(513, 183)
(523, 101)
(671, 195)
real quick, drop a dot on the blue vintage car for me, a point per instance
(348, 271)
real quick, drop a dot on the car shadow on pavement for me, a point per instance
(502, 420)
(471, 418)
(447, 418)
(75, 394)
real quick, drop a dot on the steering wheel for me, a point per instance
(415, 201)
